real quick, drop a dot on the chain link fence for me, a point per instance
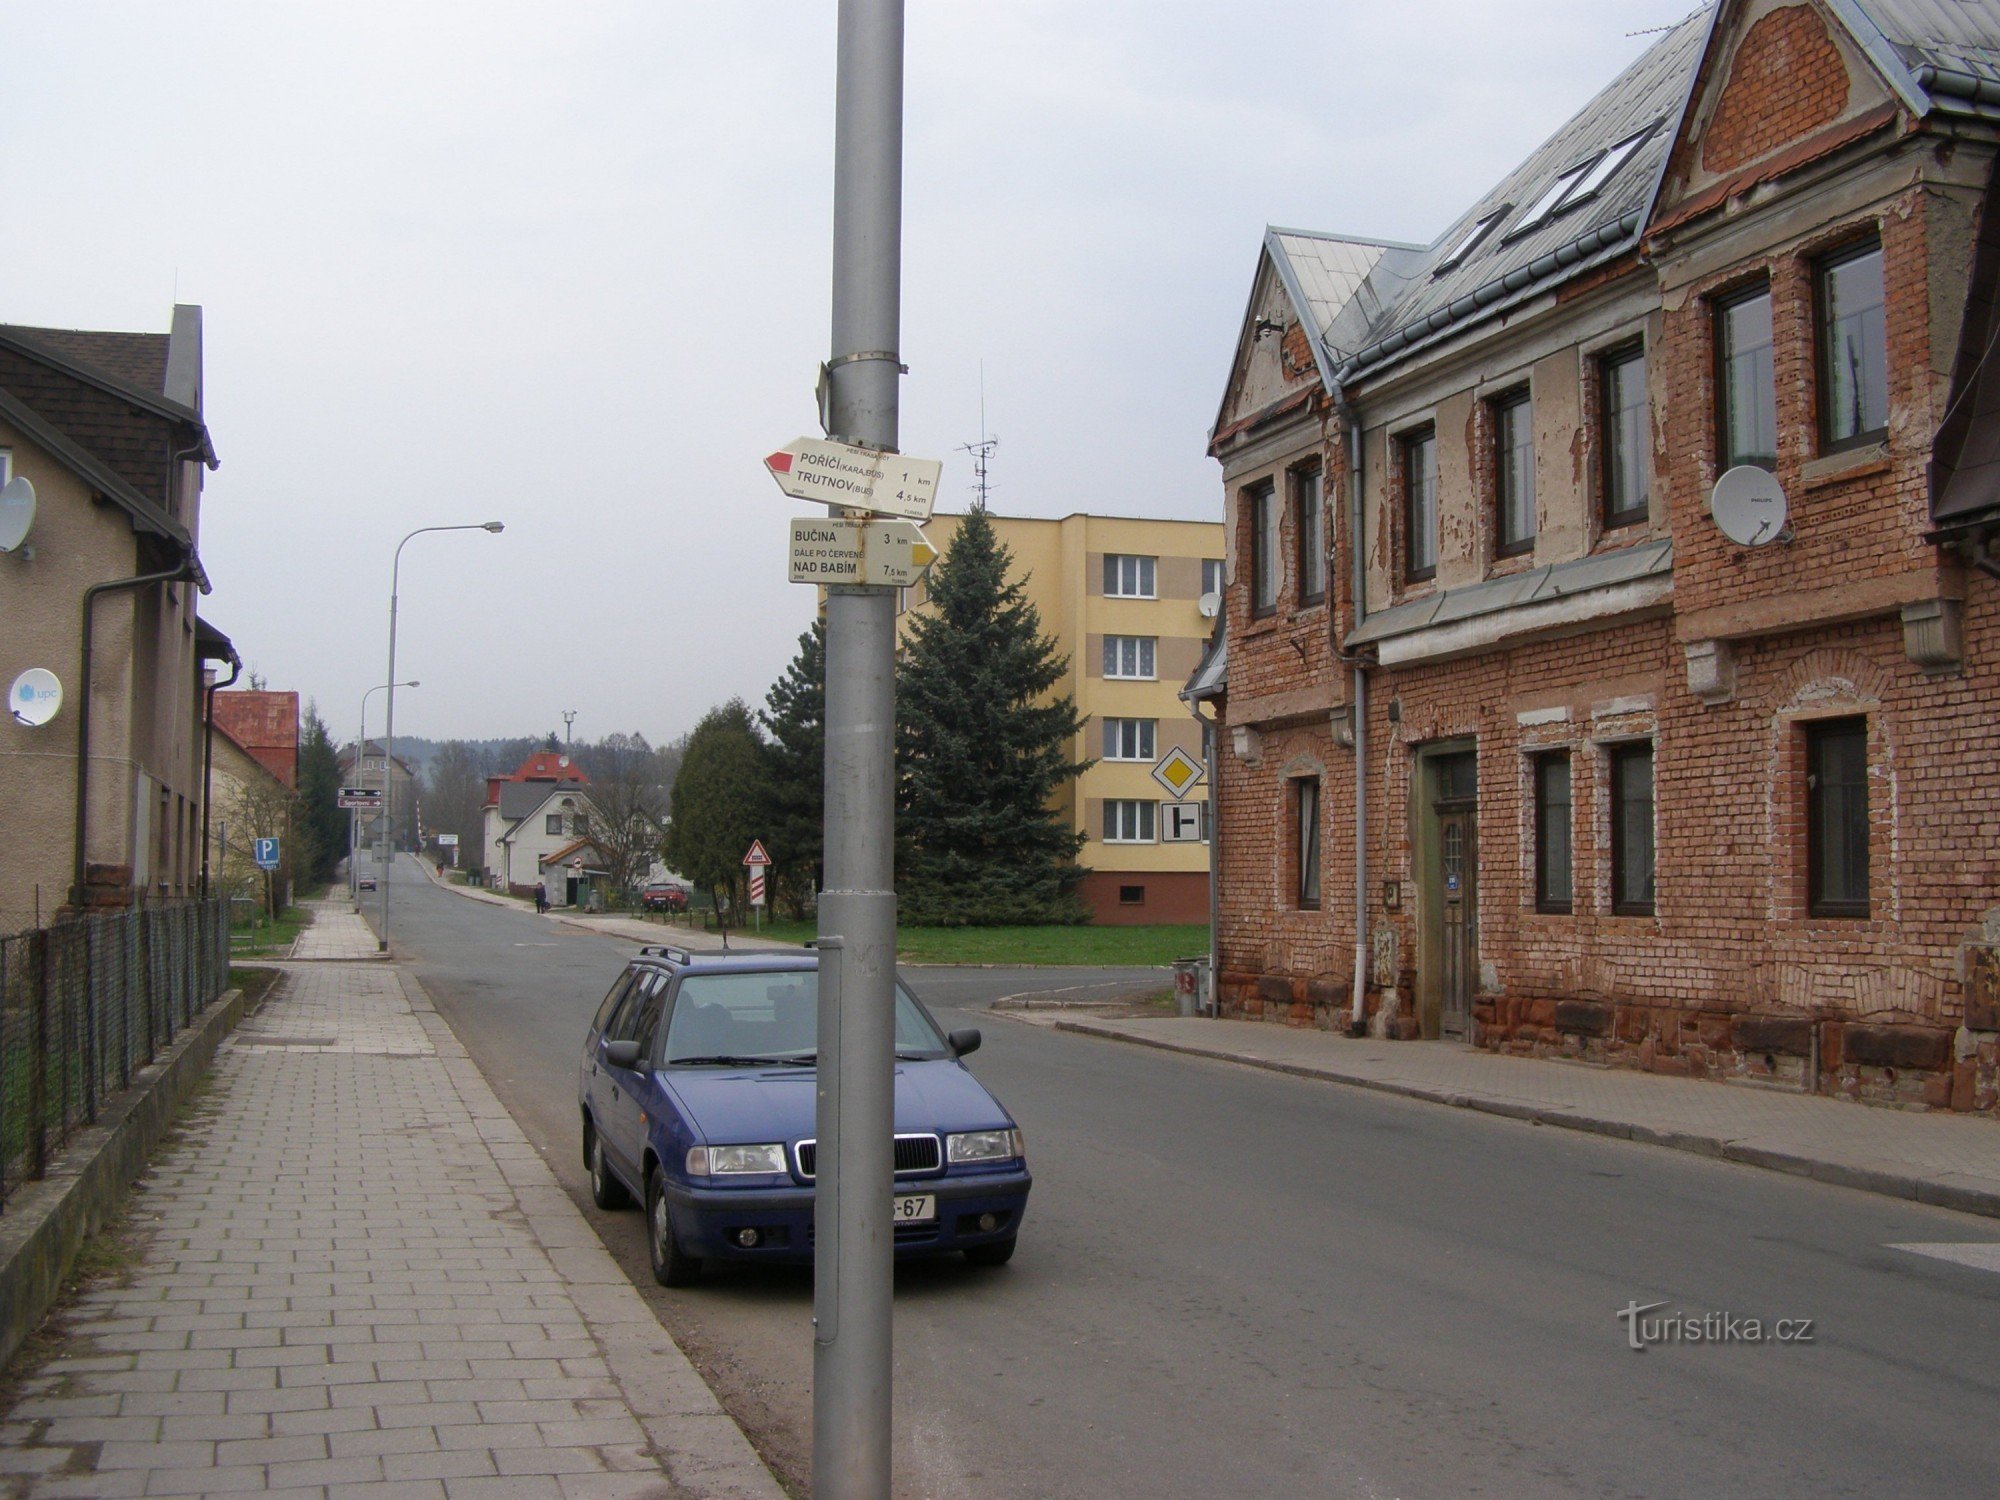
(84, 1005)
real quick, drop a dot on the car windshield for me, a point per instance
(721, 1019)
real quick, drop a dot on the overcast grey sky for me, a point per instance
(567, 266)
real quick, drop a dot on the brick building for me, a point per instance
(1535, 734)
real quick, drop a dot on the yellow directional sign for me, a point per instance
(1177, 771)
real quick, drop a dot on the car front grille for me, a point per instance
(914, 1154)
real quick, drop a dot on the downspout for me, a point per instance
(1358, 706)
(208, 760)
(178, 573)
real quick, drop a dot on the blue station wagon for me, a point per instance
(697, 1091)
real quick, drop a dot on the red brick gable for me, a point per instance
(1788, 80)
(266, 725)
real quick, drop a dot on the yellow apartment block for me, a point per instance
(1124, 600)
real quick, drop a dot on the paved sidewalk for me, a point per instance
(356, 1277)
(337, 931)
(1950, 1160)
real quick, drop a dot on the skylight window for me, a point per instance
(1480, 229)
(1607, 165)
(1544, 208)
(1579, 182)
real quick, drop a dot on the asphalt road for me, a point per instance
(1234, 1283)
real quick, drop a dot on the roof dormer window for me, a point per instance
(1469, 241)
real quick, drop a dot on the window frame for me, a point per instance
(1818, 733)
(1309, 532)
(1220, 575)
(1823, 344)
(1721, 307)
(1409, 445)
(1145, 820)
(1144, 576)
(1623, 902)
(1146, 654)
(1264, 542)
(1541, 763)
(552, 825)
(1145, 738)
(1613, 360)
(1503, 411)
(1307, 832)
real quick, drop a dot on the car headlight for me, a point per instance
(983, 1145)
(726, 1161)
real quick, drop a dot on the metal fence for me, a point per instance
(84, 1005)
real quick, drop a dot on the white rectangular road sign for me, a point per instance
(1180, 822)
(841, 549)
(889, 484)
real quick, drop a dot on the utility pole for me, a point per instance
(854, 1255)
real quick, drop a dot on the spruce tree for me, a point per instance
(322, 827)
(719, 799)
(984, 745)
(795, 718)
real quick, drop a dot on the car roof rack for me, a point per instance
(672, 954)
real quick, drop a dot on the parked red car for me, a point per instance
(663, 895)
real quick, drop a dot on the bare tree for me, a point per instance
(628, 798)
(454, 793)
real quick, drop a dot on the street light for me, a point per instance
(389, 733)
(361, 754)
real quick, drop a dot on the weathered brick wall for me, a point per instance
(1786, 80)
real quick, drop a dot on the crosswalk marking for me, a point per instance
(1981, 1257)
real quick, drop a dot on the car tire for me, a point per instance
(606, 1191)
(991, 1255)
(671, 1265)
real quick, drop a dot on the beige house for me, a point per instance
(1125, 600)
(247, 801)
(107, 428)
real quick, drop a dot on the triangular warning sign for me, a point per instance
(756, 856)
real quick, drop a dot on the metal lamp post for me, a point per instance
(389, 732)
(361, 754)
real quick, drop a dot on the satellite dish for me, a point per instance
(1748, 504)
(17, 512)
(36, 697)
(1210, 604)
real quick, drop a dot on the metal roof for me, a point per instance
(1959, 39)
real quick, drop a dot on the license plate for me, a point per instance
(915, 1208)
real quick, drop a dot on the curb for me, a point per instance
(1964, 1198)
(49, 1220)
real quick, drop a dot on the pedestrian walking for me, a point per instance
(542, 897)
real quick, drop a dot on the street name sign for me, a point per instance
(889, 484)
(360, 796)
(844, 549)
(1177, 771)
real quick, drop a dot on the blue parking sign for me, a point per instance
(265, 853)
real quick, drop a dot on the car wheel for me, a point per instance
(671, 1266)
(606, 1191)
(991, 1255)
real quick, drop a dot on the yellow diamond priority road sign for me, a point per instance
(1177, 771)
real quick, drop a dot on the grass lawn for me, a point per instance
(266, 938)
(1055, 947)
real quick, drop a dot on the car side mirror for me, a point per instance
(622, 1054)
(964, 1041)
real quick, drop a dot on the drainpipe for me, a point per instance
(179, 572)
(208, 760)
(1358, 706)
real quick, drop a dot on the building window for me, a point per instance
(1837, 818)
(1305, 831)
(1632, 830)
(1513, 475)
(1131, 895)
(1263, 550)
(1129, 739)
(1853, 349)
(6, 464)
(1211, 575)
(552, 823)
(1420, 514)
(1129, 656)
(1621, 419)
(1309, 528)
(1128, 577)
(1130, 821)
(1746, 390)
(579, 824)
(1552, 832)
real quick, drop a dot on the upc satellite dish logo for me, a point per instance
(37, 696)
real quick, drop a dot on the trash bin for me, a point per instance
(1187, 985)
